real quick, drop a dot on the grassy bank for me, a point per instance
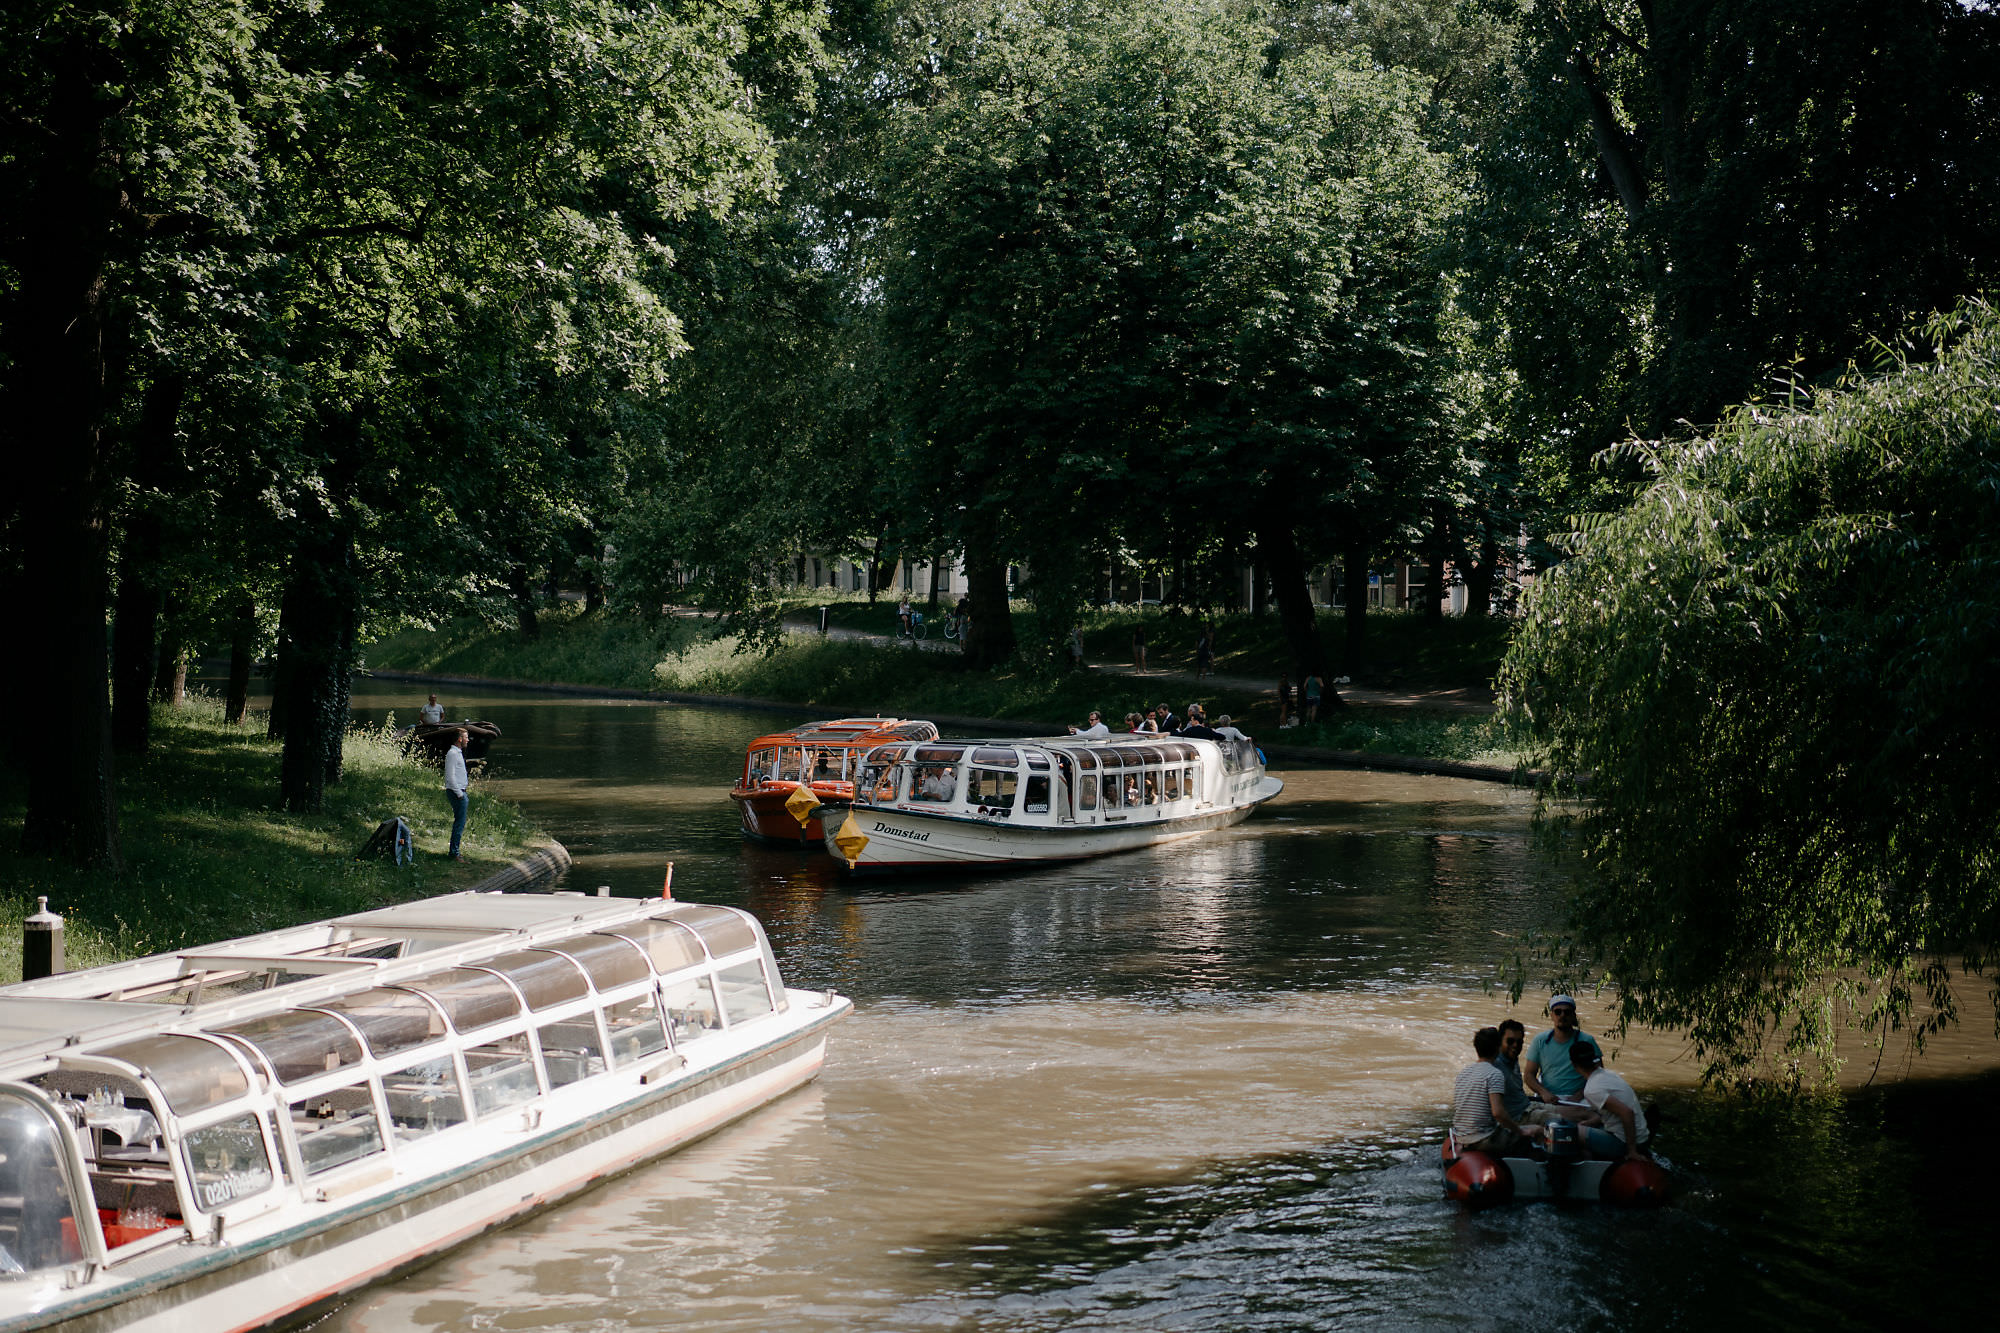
(207, 855)
(848, 676)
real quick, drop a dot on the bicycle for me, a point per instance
(954, 626)
(919, 627)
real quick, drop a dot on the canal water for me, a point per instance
(1199, 1087)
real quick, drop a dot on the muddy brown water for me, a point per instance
(1198, 1087)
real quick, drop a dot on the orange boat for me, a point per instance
(821, 757)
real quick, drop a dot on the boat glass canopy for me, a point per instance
(391, 1021)
(300, 1044)
(612, 961)
(191, 1073)
(470, 998)
(670, 945)
(546, 979)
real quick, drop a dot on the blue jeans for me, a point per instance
(1603, 1143)
(459, 805)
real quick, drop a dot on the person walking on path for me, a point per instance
(1204, 652)
(456, 781)
(1309, 697)
(1139, 648)
(1076, 661)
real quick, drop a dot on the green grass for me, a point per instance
(579, 649)
(1481, 740)
(208, 856)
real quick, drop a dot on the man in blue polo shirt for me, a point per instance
(1546, 1068)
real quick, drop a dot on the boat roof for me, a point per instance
(851, 731)
(304, 964)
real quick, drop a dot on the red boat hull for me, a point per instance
(764, 814)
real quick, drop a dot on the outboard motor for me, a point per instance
(1565, 1150)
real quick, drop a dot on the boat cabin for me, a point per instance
(172, 1098)
(1055, 782)
(824, 752)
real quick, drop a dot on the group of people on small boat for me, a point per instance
(1160, 720)
(1521, 1093)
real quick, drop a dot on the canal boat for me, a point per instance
(1482, 1180)
(237, 1135)
(429, 740)
(819, 759)
(956, 805)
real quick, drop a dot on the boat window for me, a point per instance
(1150, 754)
(885, 755)
(937, 754)
(1111, 759)
(877, 784)
(227, 1161)
(1086, 791)
(190, 1073)
(423, 1099)
(934, 783)
(1037, 800)
(610, 960)
(502, 1073)
(1184, 751)
(635, 1029)
(723, 931)
(471, 1000)
(38, 1214)
(995, 757)
(571, 1051)
(1085, 759)
(300, 1045)
(547, 979)
(1113, 783)
(1036, 759)
(829, 764)
(759, 766)
(791, 763)
(336, 1127)
(915, 731)
(391, 1021)
(745, 993)
(1172, 785)
(691, 1009)
(671, 946)
(991, 787)
(1193, 781)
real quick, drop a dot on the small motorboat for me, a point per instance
(431, 739)
(959, 805)
(819, 759)
(1482, 1180)
(230, 1136)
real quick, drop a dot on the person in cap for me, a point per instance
(1624, 1132)
(1479, 1116)
(1546, 1068)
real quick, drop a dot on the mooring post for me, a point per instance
(41, 943)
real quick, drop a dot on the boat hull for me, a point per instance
(281, 1278)
(766, 819)
(902, 841)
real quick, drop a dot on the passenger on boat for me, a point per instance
(937, 783)
(1095, 731)
(1163, 719)
(1519, 1104)
(1134, 724)
(1546, 1068)
(1624, 1131)
(1479, 1115)
(1197, 726)
(1227, 731)
(1146, 722)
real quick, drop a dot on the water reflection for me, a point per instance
(1195, 1087)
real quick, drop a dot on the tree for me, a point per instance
(1764, 667)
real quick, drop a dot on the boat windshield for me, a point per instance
(762, 765)
(38, 1226)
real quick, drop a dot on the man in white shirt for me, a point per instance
(1625, 1130)
(1096, 729)
(432, 712)
(456, 781)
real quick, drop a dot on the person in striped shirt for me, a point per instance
(1479, 1117)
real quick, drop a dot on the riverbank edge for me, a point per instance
(1310, 754)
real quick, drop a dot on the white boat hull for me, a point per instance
(904, 840)
(255, 1279)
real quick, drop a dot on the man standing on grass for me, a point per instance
(455, 783)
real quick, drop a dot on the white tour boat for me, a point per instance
(940, 805)
(233, 1136)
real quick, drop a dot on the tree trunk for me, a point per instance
(1434, 575)
(523, 594)
(1479, 578)
(1354, 573)
(313, 659)
(1279, 557)
(242, 642)
(989, 640)
(937, 575)
(170, 661)
(59, 372)
(134, 634)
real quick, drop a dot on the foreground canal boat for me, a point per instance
(953, 805)
(234, 1136)
(818, 759)
(1484, 1180)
